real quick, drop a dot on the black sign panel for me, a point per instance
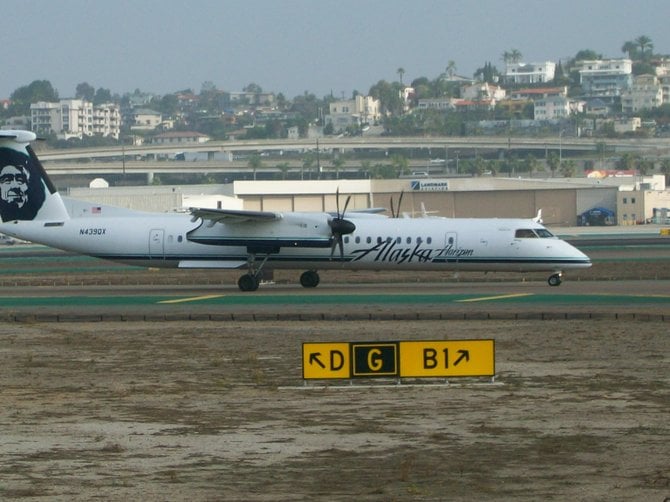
(374, 359)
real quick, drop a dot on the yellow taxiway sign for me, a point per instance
(407, 359)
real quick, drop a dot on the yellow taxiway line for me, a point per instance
(192, 299)
(499, 297)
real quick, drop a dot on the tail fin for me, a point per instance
(26, 192)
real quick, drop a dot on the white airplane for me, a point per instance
(33, 210)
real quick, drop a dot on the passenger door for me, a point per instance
(156, 243)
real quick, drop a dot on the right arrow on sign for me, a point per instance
(464, 354)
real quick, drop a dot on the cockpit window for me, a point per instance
(544, 233)
(525, 233)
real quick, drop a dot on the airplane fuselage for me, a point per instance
(303, 241)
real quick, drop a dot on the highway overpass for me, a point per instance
(155, 158)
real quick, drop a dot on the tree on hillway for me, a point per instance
(568, 168)
(665, 169)
(629, 47)
(255, 163)
(451, 68)
(400, 71)
(644, 43)
(553, 162)
(37, 90)
(85, 91)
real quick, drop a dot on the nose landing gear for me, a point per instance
(555, 279)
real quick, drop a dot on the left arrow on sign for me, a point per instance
(314, 358)
(464, 354)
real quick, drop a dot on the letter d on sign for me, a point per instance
(336, 360)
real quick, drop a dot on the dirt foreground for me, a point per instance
(219, 411)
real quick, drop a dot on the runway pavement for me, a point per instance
(508, 300)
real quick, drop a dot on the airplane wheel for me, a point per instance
(555, 280)
(248, 282)
(309, 279)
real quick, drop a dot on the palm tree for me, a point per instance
(630, 48)
(568, 168)
(532, 164)
(512, 57)
(284, 168)
(307, 164)
(255, 163)
(665, 168)
(338, 164)
(451, 68)
(644, 43)
(601, 148)
(400, 71)
(553, 162)
(506, 57)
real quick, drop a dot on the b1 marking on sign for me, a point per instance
(326, 360)
(446, 358)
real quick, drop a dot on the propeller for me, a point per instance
(339, 226)
(395, 214)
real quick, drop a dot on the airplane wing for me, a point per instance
(369, 210)
(233, 215)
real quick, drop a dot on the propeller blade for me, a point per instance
(332, 247)
(402, 192)
(345, 206)
(337, 201)
(392, 209)
(339, 226)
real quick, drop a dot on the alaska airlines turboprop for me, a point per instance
(32, 209)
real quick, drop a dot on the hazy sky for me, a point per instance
(292, 46)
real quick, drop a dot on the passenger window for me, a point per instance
(379, 240)
(346, 240)
(398, 240)
(451, 241)
(180, 238)
(524, 233)
(429, 240)
(409, 240)
(419, 240)
(358, 240)
(368, 239)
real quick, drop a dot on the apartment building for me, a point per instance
(552, 108)
(645, 93)
(357, 111)
(483, 90)
(75, 118)
(529, 73)
(605, 77)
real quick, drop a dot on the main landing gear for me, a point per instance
(309, 279)
(251, 280)
(555, 279)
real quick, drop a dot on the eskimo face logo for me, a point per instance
(21, 190)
